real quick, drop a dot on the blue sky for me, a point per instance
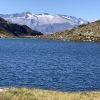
(86, 9)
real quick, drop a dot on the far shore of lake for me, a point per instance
(51, 38)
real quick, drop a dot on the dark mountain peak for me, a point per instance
(2, 20)
(7, 29)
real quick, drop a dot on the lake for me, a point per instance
(48, 64)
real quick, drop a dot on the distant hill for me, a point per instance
(8, 29)
(85, 32)
(45, 23)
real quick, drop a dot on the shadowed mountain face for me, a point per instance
(45, 23)
(9, 29)
(85, 32)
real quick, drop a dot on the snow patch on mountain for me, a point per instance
(45, 22)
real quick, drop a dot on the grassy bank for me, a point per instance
(36, 94)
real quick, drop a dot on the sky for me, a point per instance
(86, 9)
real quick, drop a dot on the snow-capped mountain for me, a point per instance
(45, 23)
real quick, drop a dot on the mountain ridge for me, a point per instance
(8, 29)
(45, 22)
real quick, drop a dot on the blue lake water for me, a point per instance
(47, 64)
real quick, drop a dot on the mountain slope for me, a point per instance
(45, 23)
(9, 29)
(85, 32)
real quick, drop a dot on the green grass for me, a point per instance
(37, 94)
